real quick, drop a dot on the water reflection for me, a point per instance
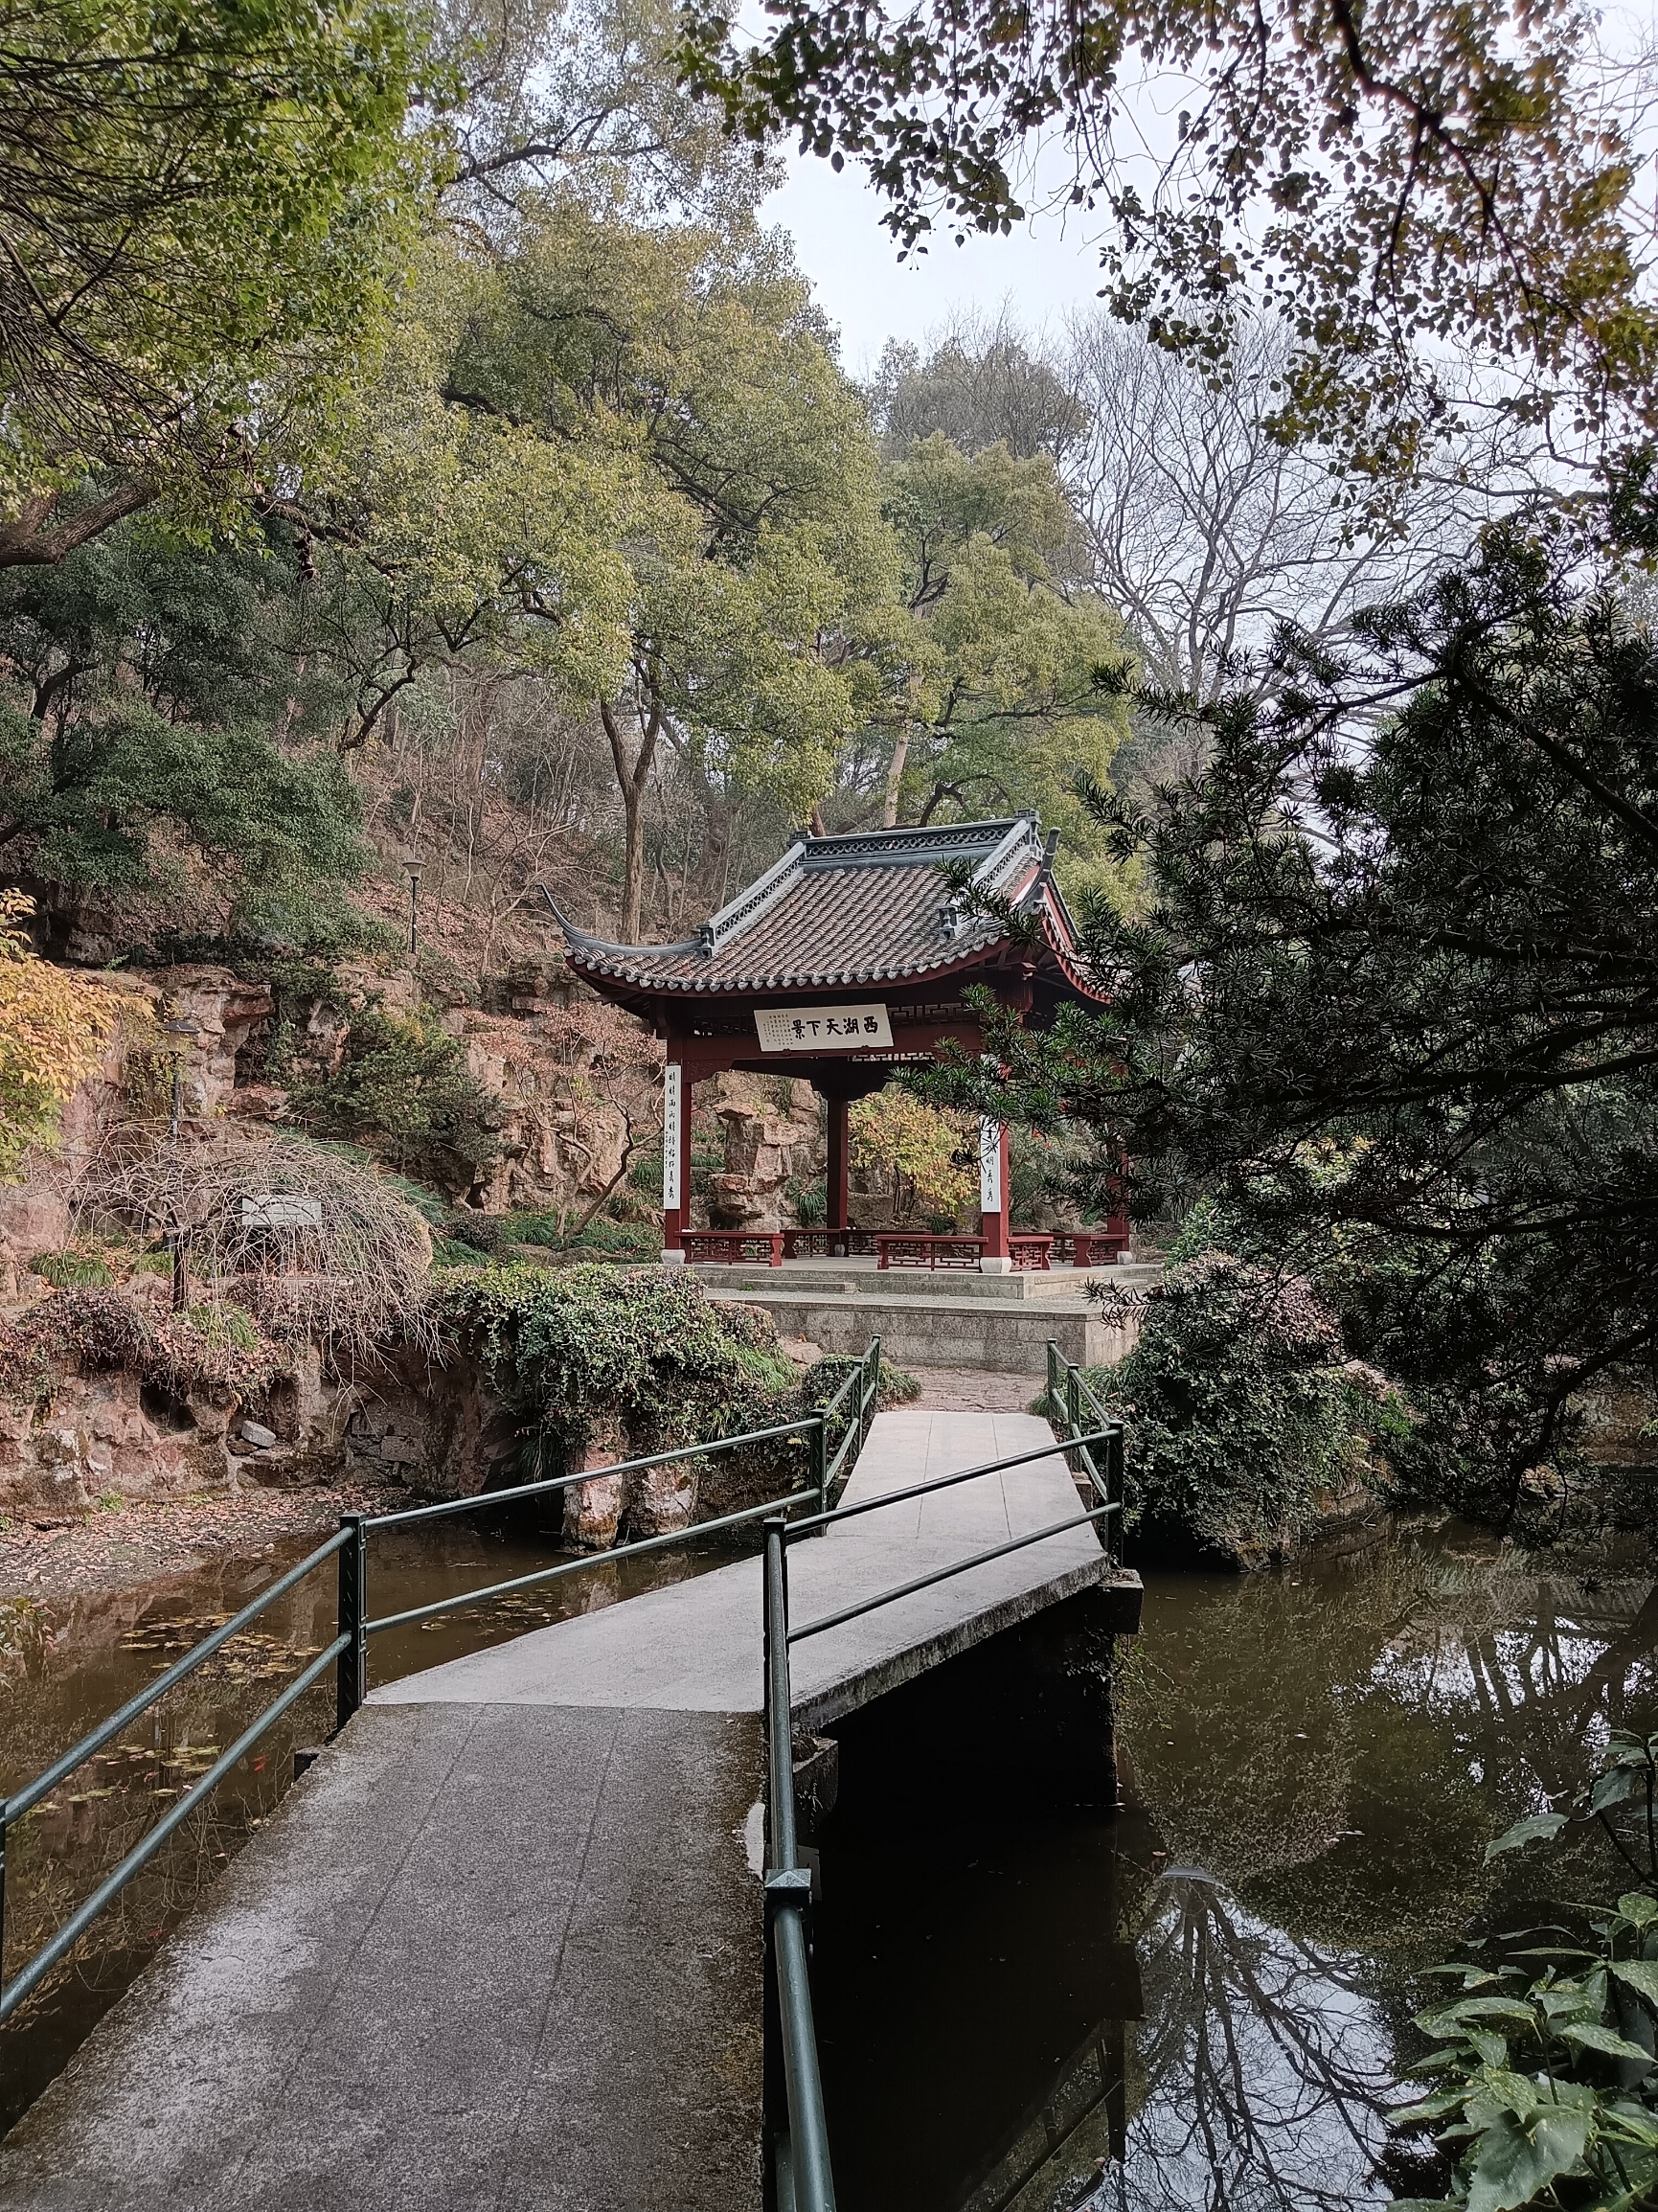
(64, 1665)
(1262, 2066)
(1316, 1761)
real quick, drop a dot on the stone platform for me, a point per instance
(997, 1323)
(502, 1947)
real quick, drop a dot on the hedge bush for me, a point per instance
(565, 1345)
(1240, 1408)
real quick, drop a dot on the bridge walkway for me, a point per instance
(502, 1947)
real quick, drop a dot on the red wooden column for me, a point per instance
(997, 1257)
(838, 1206)
(676, 1089)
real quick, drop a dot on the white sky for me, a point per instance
(1039, 272)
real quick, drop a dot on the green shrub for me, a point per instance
(480, 1232)
(565, 1344)
(895, 1387)
(1238, 1408)
(403, 1091)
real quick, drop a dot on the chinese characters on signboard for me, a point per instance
(989, 1167)
(823, 1028)
(672, 1075)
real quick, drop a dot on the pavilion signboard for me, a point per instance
(823, 1028)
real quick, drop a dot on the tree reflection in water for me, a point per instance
(1325, 1753)
(1264, 2067)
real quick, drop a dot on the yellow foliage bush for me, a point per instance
(916, 1149)
(53, 1027)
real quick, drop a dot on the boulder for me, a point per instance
(593, 1510)
(662, 1498)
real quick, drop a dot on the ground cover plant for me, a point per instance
(1542, 2084)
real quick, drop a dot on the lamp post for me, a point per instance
(411, 870)
(185, 1030)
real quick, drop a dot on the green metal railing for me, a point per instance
(852, 1406)
(1069, 1397)
(805, 2175)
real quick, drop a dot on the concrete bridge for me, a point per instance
(502, 1947)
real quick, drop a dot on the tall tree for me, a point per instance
(621, 453)
(981, 383)
(1396, 997)
(586, 96)
(202, 206)
(1209, 531)
(989, 657)
(1402, 184)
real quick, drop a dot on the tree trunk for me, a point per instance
(633, 779)
(894, 779)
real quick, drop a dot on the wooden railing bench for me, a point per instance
(734, 1247)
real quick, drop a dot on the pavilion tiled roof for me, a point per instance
(844, 911)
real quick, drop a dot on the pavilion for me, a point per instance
(845, 959)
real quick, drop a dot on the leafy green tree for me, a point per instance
(1397, 182)
(623, 455)
(916, 1152)
(205, 207)
(144, 687)
(989, 652)
(1396, 996)
(981, 384)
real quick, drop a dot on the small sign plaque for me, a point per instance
(989, 1167)
(277, 1212)
(823, 1028)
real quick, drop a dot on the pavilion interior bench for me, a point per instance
(735, 1245)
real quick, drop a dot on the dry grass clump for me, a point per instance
(313, 1245)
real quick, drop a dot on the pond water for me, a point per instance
(65, 1665)
(1197, 2003)
(1024, 2006)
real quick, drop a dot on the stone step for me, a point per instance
(939, 1330)
(863, 1279)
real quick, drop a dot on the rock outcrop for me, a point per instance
(771, 1140)
(107, 1434)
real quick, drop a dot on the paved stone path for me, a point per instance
(501, 1948)
(968, 1390)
